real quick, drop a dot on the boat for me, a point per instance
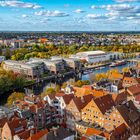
(118, 63)
(99, 68)
(87, 72)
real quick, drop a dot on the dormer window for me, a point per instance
(18, 129)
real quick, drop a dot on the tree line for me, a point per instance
(46, 51)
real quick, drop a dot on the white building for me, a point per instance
(59, 101)
(96, 56)
(92, 56)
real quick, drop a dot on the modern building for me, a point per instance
(31, 70)
(96, 56)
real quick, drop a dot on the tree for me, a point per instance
(48, 91)
(15, 96)
(100, 76)
(58, 88)
(64, 85)
(81, 83)
(125, 70)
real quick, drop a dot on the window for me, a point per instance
(18, 129)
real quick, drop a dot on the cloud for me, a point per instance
(45, 20)
(24, 16)
(116, 7)
(120, 11)
(56, 14)
(19, 4)
(119, 7)
(96, 16)
(51, 13)
(122, 1)
(40, 13)
(99, 16)
(79, 11)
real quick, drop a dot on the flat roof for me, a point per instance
(91, 53)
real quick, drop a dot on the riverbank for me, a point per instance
(37, 87)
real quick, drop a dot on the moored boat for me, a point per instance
(118, 63)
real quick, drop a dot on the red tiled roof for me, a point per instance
(3, 121)
(38, 135)
(92, 131)
(114, 76)
(83, 138)
(16, 122)
(137, 98)
(119, 98)
(135, 89)
(26, 134)
(129, 112)
(37, 103)
(67, 98)
(51, 96)
(60, 94)
(81, 102)
(120, 130)
(104, 103)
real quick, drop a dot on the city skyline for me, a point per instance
(69, 15)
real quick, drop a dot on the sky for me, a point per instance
(69, 15)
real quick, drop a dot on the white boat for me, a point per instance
(99, 68)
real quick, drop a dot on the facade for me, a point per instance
(109, 116)
(32, 70)
(74, 108)
(36, 111)
(54, 134)
(59, 65)
(54, 66)
(74, 64)
(59, 101)
(96, 56)
(133, 91)
(93, 56)
(95, 110)
(130, 81)
(15, 126)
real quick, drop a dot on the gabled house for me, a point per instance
(130, 81)
(133, 91)
(15, 126)
(74, 108)
(59, 101)
(95, 110)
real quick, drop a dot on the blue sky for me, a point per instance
(70, 15)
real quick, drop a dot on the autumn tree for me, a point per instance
(81, 83)
(48, 91)
(125, 70)
(15, 96)
(100, 76)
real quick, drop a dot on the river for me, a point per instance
(107, 68)
(40, 87)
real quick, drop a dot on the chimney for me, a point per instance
(82, 99)
(31, 133)
(54, 130)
